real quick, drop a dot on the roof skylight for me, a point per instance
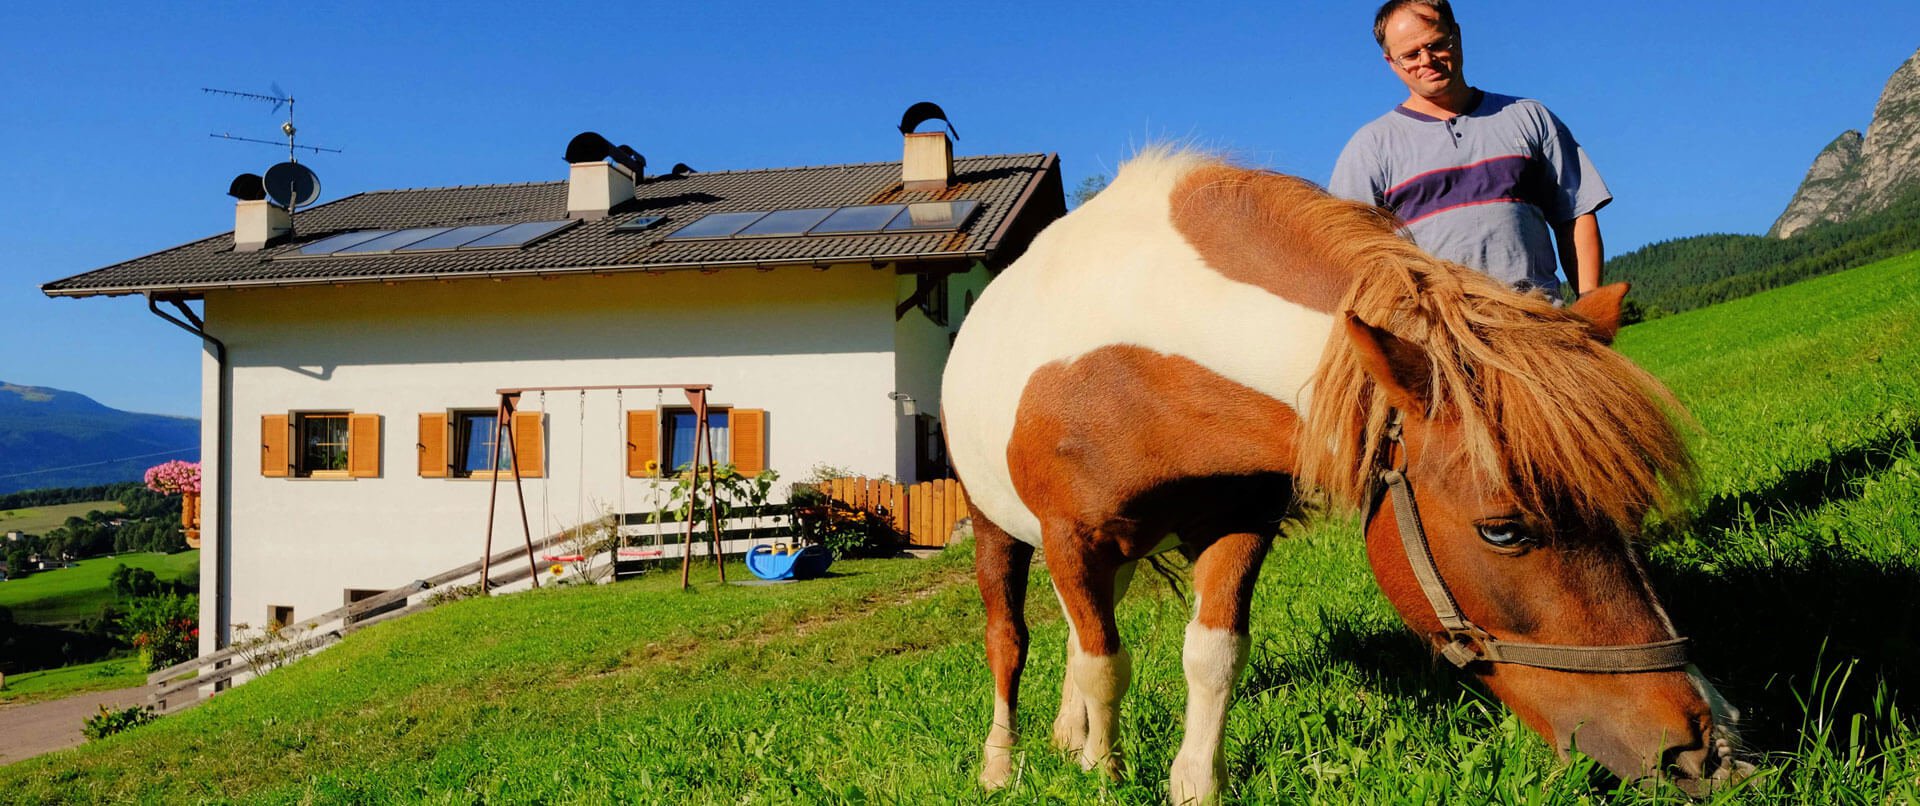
(863, 219)
(432, 239)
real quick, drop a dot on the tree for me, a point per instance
(1089, 188)
(17, 563)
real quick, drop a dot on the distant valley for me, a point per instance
(55, 438)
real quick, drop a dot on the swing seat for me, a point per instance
(806, 563)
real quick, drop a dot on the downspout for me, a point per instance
(223, 472)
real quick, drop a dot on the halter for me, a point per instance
(1467, 642)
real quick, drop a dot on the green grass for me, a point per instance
(66, 681)
(1798, 579)
(40, 520)
(67, 595)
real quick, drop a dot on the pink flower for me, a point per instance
(174, 478)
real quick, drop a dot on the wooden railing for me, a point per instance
(923, 513)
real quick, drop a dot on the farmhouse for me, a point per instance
(354, 351)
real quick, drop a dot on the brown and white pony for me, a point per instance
(1168, 365)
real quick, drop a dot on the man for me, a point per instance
(1487, 180)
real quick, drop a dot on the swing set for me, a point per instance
(504, 441)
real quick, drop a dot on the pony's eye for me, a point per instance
(1502, 535)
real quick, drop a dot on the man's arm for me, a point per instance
(1582, 253)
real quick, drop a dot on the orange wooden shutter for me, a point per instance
(529, 444)
(643, 442)
(274, 437)
(433, 445)
(363, 446)
(749, 440)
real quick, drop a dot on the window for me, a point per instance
(660, 443)
(357, 594)
(279, 616)
(460, 444)
(320, 445)
(476, 435)
(679, 429)
(324, 441)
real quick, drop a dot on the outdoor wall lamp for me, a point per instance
(905, 400)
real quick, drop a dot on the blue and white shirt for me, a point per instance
(1480, 189)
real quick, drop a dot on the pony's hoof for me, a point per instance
(1189, 783)
(1069, 738)
(1107, 764)
(997, 771)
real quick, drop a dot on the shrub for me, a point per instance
(164, 629)
(109, 721)
(847, 532)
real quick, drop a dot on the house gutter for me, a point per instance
(223, 473)
(962, 258)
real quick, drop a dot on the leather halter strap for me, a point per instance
(1467, 642)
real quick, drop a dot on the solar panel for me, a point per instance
(453, 238)
(519, 234)
(391, 240)
(326, 246)
(716, 225)
(931, 216)
(787, 222)
(862, 218)
(640, 223)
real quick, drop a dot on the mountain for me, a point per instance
(1860, 174)
(56, 438)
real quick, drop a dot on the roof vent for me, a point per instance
(595, 186)
(928, 160)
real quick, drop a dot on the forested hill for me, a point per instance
(1687, 273)
(56, 438)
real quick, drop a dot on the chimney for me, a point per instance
(593, 188)
(594, 185)
(256, 222)
(927, 163)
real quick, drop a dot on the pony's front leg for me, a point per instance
(1101, 669)
(1215, 650)
(1000, 567)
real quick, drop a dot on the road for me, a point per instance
(43, 727)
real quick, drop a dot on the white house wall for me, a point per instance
(815, 349)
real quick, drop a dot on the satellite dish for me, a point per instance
(291, 185)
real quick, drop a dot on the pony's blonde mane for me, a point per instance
(1544, 409)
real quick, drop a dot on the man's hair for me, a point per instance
(1440, 8)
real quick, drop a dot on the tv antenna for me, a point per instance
(279, 98)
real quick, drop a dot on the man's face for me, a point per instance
(1424, 55)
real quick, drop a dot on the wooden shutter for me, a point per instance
(363, 446)
(643, 442)
(749, 440)
(433, 445)
(274, 439)
(530, 449)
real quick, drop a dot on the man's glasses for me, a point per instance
(1436, 49)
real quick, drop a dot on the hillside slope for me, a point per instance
(55, 438)
(1799, 580)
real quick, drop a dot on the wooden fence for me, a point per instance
(924, 513)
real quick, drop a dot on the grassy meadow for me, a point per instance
(1798, 578)
(39, 520)
(67, 595)
(66, 681)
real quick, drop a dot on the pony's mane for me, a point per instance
(1545, 410)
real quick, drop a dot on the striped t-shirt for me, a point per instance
(1479, 189)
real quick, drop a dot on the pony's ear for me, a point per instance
(1601, 306)
(1399, 367)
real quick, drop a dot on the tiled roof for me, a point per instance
(1000, 183)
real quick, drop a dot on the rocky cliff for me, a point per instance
(1855, 175)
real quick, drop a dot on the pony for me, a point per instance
(1201, 349)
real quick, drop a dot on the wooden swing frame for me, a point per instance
(503, 439)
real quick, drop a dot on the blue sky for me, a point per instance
(1703, 117)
